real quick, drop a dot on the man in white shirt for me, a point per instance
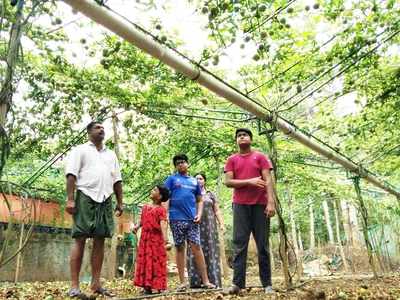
(93, 172)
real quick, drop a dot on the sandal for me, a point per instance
(104, 292)
(76, 293)
(208, 286)
(182, 287)
(147, 291)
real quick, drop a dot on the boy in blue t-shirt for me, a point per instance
(185, 208)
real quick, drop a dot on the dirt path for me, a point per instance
(338, 287)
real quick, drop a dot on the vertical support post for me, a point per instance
(225, 267)
(113, 251)
(339, 241)
(328, 222)
(18, 265)
(364, 217)
(312, 227)
(283, 241)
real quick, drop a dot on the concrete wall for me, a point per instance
(46, 257)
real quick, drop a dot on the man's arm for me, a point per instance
(270, 208)
(118, 194)
(71, 183)
(199, 208)
(238, 183)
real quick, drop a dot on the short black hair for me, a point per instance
(179, 157)
(248, 131)
(164, 192)
(202, 175)
(91, 125)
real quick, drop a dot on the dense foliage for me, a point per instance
(307, 62)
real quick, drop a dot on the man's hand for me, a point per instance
(257, 182)
(118, 210)
(197, 219)
(70, 207)
(270, 209)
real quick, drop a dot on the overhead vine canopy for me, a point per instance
(330, 67)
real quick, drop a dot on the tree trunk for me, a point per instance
(300, 240)
(328, 222)
(7, 88)
(312, 228)
(344, 260)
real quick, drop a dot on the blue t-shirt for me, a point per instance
(184, 190)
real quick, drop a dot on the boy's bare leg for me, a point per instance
(180, 262)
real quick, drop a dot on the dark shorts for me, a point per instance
(185, 231)
(92, 219)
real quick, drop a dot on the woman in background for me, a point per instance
(208, 238)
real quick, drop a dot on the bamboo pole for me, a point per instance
(133, 35)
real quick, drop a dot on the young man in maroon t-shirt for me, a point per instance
(248, 173)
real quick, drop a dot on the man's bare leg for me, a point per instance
(96, 261)
(75, 263)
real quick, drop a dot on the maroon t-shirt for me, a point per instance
(245, 167)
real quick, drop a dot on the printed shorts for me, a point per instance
(185, 231)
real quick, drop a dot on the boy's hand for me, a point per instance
(197, 219)
(270, 209)
(257, 182)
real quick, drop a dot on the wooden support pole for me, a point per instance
(112, 263)
(18, 265)
(364, 218)
(312, 227)
(224, 262)
(328, 222)
(339, 241)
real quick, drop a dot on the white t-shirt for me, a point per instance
(95, 171)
